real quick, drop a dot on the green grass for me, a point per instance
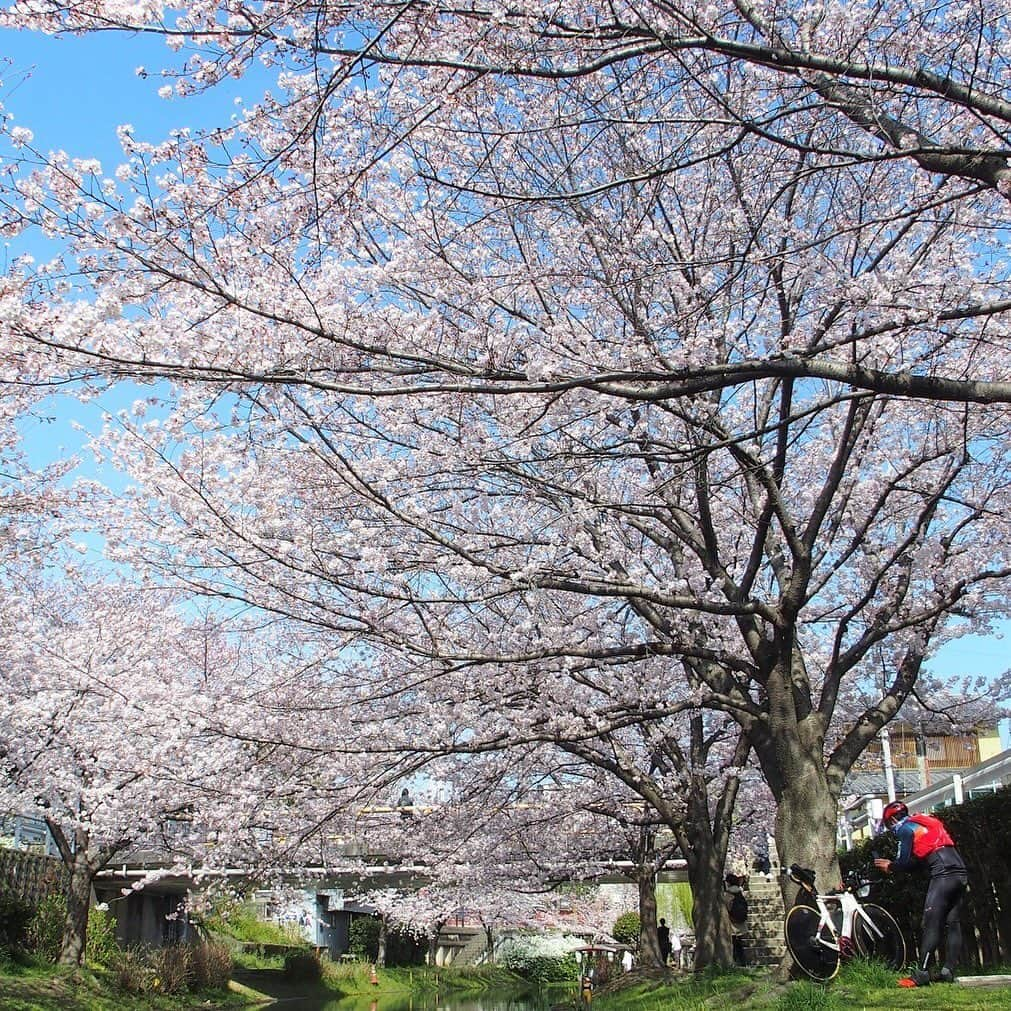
(255, 960)
(859, 987)
(241, 923)
(54, 989)
(27, 984)
(355, 978)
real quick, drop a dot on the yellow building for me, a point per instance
(928, 769)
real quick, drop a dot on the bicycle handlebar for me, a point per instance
(806, 877)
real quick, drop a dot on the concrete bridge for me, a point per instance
(145, 888)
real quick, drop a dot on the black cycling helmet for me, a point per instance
(893, 812)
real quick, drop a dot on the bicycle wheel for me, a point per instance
(879, 938)
(810, 943)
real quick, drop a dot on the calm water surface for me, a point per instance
(491, 1000)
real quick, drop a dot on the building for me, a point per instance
(21, 832)
(929, 768)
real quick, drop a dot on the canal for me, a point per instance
(286, 999)
(489, 1001)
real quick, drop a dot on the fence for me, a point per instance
(31, 876)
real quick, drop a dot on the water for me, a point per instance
(491, 1000)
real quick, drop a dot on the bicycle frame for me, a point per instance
(849, 904)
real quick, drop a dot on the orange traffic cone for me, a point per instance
(373, 978)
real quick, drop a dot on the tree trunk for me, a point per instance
(807, 825)
(713, 944)
(82, 865)
(791, 751)
(75, 925)
(707, 836)
(649, 943)
(381, 943)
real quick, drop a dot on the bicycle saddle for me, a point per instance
(802, 875)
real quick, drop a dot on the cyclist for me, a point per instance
(924, 837)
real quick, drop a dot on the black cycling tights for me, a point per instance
(943, 909)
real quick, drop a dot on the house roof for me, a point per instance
(874, 784)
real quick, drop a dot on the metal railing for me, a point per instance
(987, 777)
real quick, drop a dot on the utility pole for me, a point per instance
(886, 758)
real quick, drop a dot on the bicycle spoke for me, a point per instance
(878, 936)
(811, 943)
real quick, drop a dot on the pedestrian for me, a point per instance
(737, 910)
(922, 837)
(405, 804)
(663, 936)
(676, 948)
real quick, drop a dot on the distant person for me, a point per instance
(626, 960)
(762, 863)
(663, 936)
(922, 837)
(737, 910)
(676, 948)
(406, 803)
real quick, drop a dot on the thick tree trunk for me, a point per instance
(75, 926)
(707, 833)
(649, 943)
(791, 752)
(713, 944)
(381, 943)
(83, 864)
(807, 824)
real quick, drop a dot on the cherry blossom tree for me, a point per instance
(533, 818)
(107, 731)
(923, 85)
(564, 373)
(479, 600)
(509, 843)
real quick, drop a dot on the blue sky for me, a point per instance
(73, 92)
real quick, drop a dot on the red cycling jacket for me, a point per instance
(924, 837)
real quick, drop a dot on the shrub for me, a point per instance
(544, 969)
(131, 972)
(626, 929)
(541, 959)
(101, 947)
(45, 928)
(44, 935)
(210, 966)
(363, 938)
(15, 915)
(303, 967)
(171, 968)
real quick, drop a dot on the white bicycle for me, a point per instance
(825, 928)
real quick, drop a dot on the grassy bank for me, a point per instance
(51, 989)
(355, 978)
(397, 986)
(47, 988)
(859, 987)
